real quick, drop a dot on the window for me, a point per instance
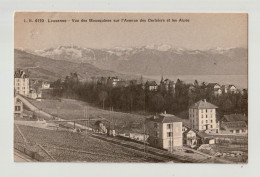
(201, 116)
(17, 108)
(202, 122)
(206, 110)
(169, 126)
(206, 116)
(202, 127)
(169, 134)
(211, 121)
(211, 126)
(206, 121)
(202, 111)
(211, 110)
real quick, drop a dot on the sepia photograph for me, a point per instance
(130, 87)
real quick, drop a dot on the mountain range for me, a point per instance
(153, 59)
(49, 69)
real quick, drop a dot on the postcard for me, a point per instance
(131, 87)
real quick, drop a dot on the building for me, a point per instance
(113, 81)
(234, 123)
(202, 116)
(190, 138)
(167, 84)
(229, 89)
(165, 131)
(215, 88)
(35, 94)
(151, 85)
(21, 83)
(237, 127)
(18, 107)
(45, 85)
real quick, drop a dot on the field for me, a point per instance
(65, 146)
(74, 109)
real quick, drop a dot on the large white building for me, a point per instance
(165, 131)
(202, 116)
(21, 83)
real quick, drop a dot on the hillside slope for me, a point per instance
(49, 69)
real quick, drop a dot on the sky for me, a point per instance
(203, 31)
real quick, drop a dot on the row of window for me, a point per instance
(211, 126)
(19, 84)
(23, 88)
(211, 121)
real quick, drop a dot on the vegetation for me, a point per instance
(137, 97)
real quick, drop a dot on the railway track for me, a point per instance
(155, 153)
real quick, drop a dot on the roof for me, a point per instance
(151, 83)
(20, 74)
(233, 125)
(234, 117)
(203, 104)
(188, 130)
(164, 118)
(211, 85)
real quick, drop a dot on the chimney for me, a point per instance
(204, 100)
(164, 112)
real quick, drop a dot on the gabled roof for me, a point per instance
(164, 118)
(229, 86)
(203, 104)
(234, 117)
(188, 130)
(212, 85)
(151, 83)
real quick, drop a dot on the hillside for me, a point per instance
(49, 69)
(155, 59)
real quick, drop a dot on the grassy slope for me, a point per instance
(73, 109)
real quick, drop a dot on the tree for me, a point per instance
(158, 102)
(102, 97)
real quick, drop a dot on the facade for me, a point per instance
(234, 123)
(18, 107)
(45, 85)
(215, 88)
(151, 85)
(167, 84)
(202, 116)
(229, 89)
(190, 138)
(165, 131)
(237, 127)
(34, 94)
(113, 81)
(21, 83)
